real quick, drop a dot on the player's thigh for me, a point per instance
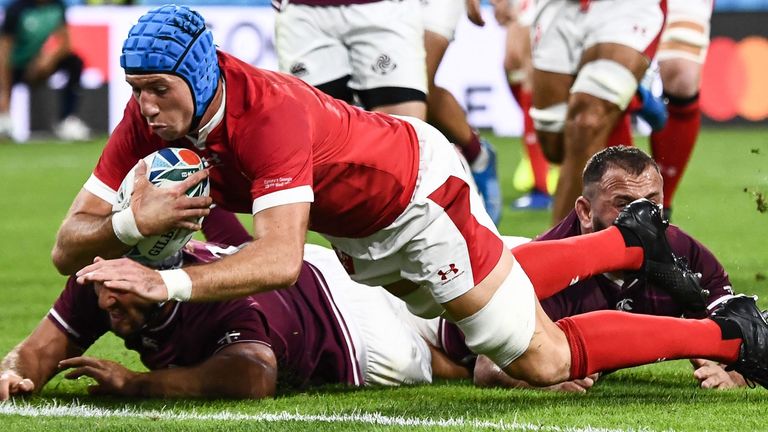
(625, 31)
(556, 37)
(387, 45)
(305, 48)
(687, 30)
(435, 45)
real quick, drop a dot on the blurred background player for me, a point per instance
(532, 174)
(325, 329)
(28, 26)
(588, 57)
(366, 51)
(681, 55)
(443, 110)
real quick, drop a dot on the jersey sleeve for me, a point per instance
(77, 313)
(128, 143)
(275, 151)
(239, 321)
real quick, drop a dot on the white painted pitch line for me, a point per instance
(79, 410)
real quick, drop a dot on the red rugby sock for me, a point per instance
(622, 132)
(553, 265)
(599, 341)
(672, 146)
(539, 164)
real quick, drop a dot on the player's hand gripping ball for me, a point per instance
(165, 168)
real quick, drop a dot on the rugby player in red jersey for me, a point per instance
(391, 196)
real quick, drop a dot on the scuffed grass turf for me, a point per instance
(718, 202)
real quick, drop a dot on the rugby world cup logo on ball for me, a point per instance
(165, 168)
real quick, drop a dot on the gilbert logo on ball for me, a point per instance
(165, 168)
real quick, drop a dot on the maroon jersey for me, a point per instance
(299, 323)
(600, 293)
(282, 141)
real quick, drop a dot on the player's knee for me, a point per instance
(681, 78)
(607, 80)
(502, 329)
(543, 370)
(588, 117)
(550, 119)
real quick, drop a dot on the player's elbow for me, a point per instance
(251, 372)
(257, 378)
(62, 262)
(261, 379)
(287, 272)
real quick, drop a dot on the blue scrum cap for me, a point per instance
(173, 39)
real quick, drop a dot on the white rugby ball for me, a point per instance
(165, 168)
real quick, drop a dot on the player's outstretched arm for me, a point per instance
(272, 260)
(35, 360)
(242, 371)
(88, 230)
(487, 374)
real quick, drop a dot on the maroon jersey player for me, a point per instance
(309, 334)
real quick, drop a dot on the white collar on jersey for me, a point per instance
(202, 134)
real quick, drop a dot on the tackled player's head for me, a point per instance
(128, 313)
(174, 40)
(613, 178)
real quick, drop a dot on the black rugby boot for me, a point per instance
(741, 311)
(641, 224)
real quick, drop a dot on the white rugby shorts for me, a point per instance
(562, 31)
(388, 349)
(380, 44)
(442, 16)
(444, 240)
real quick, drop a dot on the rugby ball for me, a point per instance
(165, 168)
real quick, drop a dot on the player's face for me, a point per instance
(166, 103)
(127, 312)
(617, 189)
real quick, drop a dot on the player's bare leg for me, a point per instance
(590, 118)
(445, 113)
(681, 53)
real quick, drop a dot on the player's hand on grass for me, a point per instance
(12, 384)
(712, 375)
(159, 210)
(125, 275)
(575, 386)
(111, 378)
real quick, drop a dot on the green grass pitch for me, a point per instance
(718, 203)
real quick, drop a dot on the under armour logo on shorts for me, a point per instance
(449, 270)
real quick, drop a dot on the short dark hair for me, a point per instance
(630, 159)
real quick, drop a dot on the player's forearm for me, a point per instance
(27, 362)
(81, 238)
(258, 267)
(225, 377)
